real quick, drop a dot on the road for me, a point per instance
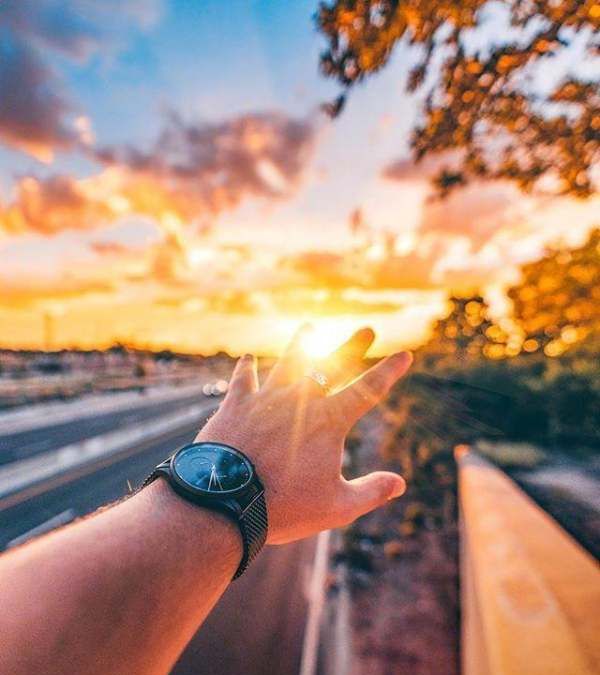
(258, 626)
(26, 443)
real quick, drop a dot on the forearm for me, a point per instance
(138, 580)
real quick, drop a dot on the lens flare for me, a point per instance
(322, 339)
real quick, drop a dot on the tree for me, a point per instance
(465, 334)
(479, 102)
(557, 302)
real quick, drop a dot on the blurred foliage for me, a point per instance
(480, 104)
(482, 382)
(557, 304)
(532, 377)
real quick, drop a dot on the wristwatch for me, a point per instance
(220, 478)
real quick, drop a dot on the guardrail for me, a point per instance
(530, 593)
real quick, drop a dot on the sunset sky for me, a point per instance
(167, 179)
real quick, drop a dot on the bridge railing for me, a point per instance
(530, 594)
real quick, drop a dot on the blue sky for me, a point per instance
(206, 59)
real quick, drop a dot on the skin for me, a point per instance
(124, 590)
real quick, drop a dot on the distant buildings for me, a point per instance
(32, 376)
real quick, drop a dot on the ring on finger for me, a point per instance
(321, 379)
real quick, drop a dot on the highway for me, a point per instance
(26, 443)
(258, 626)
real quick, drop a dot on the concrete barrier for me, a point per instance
(530, 593)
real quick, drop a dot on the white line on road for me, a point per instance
(57, 412)
(21, 474)
(316, 602)
(59, 519)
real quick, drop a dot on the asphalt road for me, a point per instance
(257, 628)
(23, 444)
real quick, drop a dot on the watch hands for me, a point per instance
(215, 478)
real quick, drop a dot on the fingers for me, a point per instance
(375, 489)
(355, 348)
(244, 379)
(342, 365)
(293, 362)
(369, 389)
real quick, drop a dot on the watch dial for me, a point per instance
(212, 468)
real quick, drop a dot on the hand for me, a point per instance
(294, 434)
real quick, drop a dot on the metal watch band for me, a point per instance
(253, 525)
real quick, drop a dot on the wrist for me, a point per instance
(193, 529)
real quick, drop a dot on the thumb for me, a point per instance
(375, 489)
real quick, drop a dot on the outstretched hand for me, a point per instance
(293, 429)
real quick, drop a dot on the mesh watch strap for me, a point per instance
(253, 525)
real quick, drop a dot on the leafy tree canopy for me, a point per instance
(557, 302)
(482, 104)
(556, 309)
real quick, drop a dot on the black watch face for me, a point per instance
(212, 468)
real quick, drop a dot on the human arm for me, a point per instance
(125, 589)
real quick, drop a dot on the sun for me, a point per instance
(322, 339)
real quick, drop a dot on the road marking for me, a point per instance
(19, 475)
(59, 519)
(94, 465)
(79, 472)
(37, 415)
(316, 603)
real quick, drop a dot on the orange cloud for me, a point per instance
(22, 295)
(477, 211)
(193, 173)
(55, 204)
(355, 269)
(208, 168)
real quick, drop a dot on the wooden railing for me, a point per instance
(530, 593)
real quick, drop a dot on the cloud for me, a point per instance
(59, 26)
(406, 169)
(193, 173)
(109, 248)
(36, 115)
(355, 269)
(320, 269)
(55, 204)
(211, 167)
(35, 294)
(33, 110)
(483, 231)
(76, 28)
(478, 211)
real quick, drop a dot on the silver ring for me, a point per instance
(321, 379)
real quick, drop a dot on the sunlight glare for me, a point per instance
(322, 339)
